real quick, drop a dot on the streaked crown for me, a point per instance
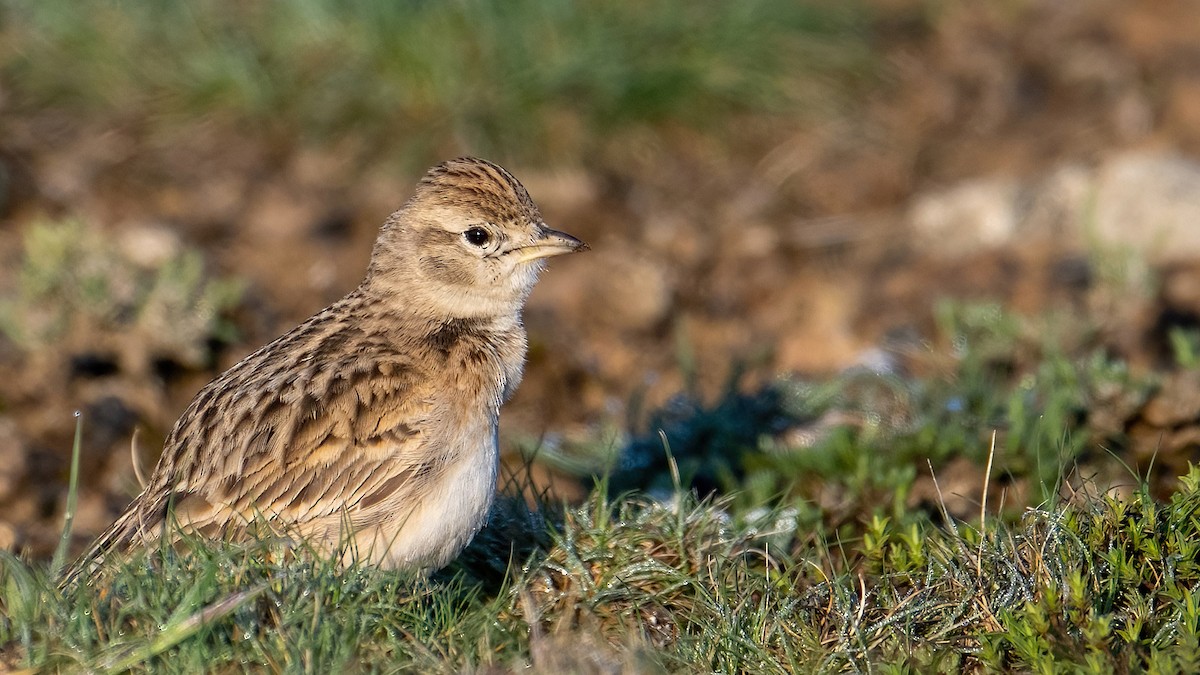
(481, 185)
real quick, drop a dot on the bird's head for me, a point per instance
(470, 243)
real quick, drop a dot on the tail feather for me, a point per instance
(129, 528)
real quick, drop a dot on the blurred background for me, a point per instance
(802, 212)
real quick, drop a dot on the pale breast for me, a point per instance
(428, 527)
(430, 531)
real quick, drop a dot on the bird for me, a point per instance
(370, 429)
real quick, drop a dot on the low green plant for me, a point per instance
(1185, 344)
(75, 285)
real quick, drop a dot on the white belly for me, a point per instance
(434, 531)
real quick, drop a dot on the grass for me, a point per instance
(529, 80)
(642, 586)
(765, 573)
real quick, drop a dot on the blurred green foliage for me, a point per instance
(527, 78)
(77, 284)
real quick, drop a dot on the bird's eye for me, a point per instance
(477, 236)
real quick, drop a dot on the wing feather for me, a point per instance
(307, 462)
(311, 440)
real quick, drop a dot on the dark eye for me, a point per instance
(477, 236)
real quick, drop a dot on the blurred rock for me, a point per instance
(1181, 289)
(1150, 202)
(1146, 202)
(1055, 205)
(965, 218)
(1110, 409)
(1177, 403)
(276, 236)
(1167, 434)
(94, 512)
(317, 167)
(1132, 116)
(756, 241)
(148, 245)
(1169, 450)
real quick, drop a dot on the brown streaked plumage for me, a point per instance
(373, 423)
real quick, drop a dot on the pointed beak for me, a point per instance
(551, 243)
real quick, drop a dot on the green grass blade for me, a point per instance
(181, 630)
(64, 542)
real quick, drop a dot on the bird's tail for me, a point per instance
(130, 527)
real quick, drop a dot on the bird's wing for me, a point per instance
(315, 438)
(326, 442)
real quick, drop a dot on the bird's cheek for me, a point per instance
(446, 270)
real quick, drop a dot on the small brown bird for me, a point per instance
(371, 427)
